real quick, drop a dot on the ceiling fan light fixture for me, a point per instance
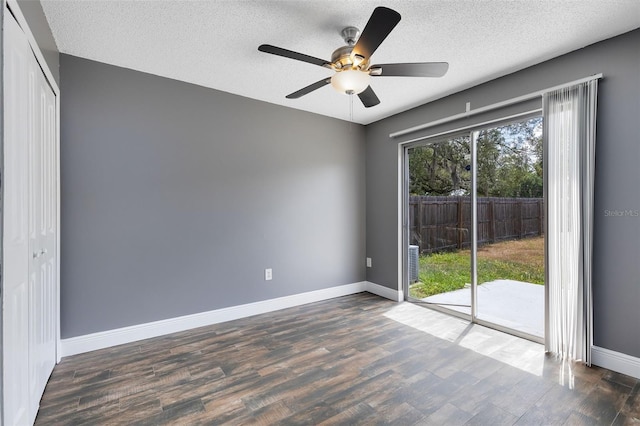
(350, 81)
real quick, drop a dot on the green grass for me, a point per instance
(444, 272)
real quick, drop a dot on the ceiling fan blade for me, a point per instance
(382, 21)
(420, 69)
(267, 48)
(368, 97)
(310, 88)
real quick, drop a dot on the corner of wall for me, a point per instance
(386, 292)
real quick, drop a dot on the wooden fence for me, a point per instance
(444, 223)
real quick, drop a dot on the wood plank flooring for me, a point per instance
(352, 360)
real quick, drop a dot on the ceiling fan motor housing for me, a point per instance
(341, 59)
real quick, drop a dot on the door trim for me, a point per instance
(14, 9)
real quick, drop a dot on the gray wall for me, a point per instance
(617, 240)
(175, 198)
(33, 13)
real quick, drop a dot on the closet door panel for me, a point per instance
(43, 293)
(16, 227)
(35, 183)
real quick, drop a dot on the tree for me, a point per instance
(522, 168)
(488, 162)
(509, 163)
(440, 169)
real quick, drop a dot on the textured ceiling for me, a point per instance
(215, 43)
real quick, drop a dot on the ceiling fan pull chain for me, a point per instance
(351, 108)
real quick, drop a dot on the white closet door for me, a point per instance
(42, 234)
(16, 228)
(30, 240)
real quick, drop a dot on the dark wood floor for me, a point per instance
(353, 360)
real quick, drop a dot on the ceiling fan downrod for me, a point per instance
(350, 35)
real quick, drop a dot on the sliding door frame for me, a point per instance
(473, 132)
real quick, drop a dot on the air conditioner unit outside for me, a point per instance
(414, 263)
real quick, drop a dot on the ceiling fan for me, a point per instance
(351, 63)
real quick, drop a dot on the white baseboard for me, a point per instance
(105, 339)
(616, 361)
(602, 357)
(385, 292)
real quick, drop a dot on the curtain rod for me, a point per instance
(491, 107)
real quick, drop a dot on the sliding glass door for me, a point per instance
(474, 215)
(439, 215)
(510, 227)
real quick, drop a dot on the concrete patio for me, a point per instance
(513, 304)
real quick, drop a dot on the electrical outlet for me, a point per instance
(268, 274)
(368, 262)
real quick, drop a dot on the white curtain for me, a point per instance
(570, 131)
